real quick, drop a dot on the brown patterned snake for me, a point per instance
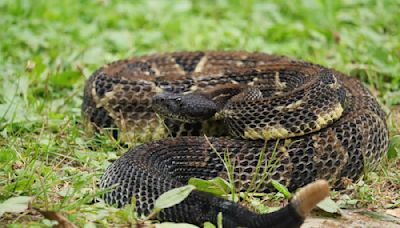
(328, 125)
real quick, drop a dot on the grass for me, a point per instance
(49, 48)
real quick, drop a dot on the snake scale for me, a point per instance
(302, 121)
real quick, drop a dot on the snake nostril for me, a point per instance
(157, 99)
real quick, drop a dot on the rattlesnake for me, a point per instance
(328, 126)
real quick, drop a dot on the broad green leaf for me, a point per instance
(394, 147)
(328, 205)
(282, 189)
(173, 225)
(208, 225)
(15, 204)
(258, 204)
(7, 155)
(173, 196)
(216, 186)
(352, 202)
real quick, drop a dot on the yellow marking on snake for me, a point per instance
(335, 85)
(280, 132)
(290, 106)
(179, 69)
(220, 95)
(294, 105)
(110, 94)
(192, 89)
(225, 114)
(155, 69)
(284, 150)
(266, 133)
(158, 89)
(104, 100)
(201, 64)
(334, 114)
(239, 63)
(252, 82)
(278, 83)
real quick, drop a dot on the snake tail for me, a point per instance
(292, 215)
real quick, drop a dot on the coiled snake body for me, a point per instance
(311, 123)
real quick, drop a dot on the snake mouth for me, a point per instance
(188, 108)
(165, 114)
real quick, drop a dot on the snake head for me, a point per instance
(184, 107)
